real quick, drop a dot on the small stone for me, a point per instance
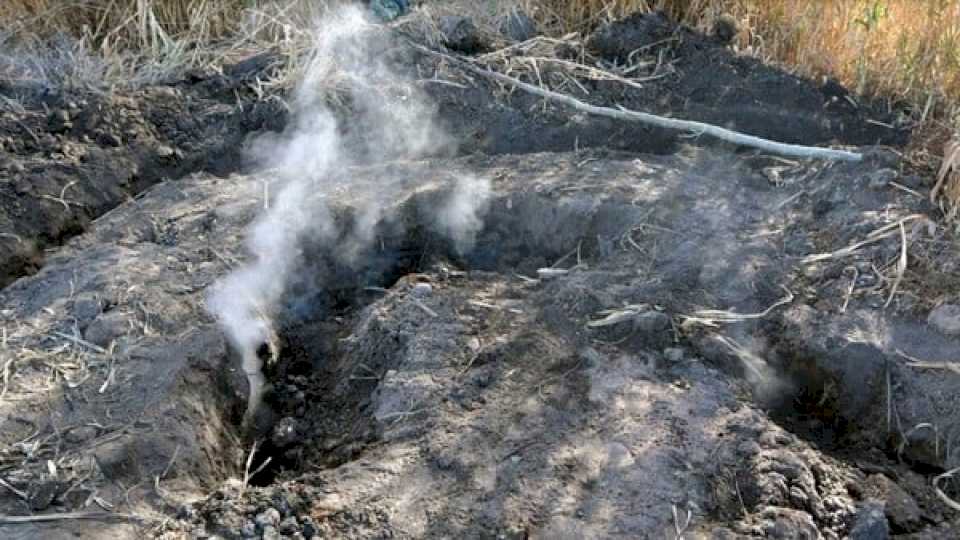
(289, 525)
(900, 508)
(388, 10)
(870, 523)
(110, 139)
(782, 438)
(106, 328)
(59, 121)
(86, 308)
(268, 518)
(308, 527)
(270, 533)
(42, 494)
(164, 151)
(285, 432)
(460, 34)
(725, 29)
(652, 328)
(880, 179)
(422, 290)
(788, 523)
(946, 319)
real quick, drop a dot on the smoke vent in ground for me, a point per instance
(317, 411)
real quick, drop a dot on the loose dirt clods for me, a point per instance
(548, 325)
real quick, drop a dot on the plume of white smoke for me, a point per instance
(461, 218)
(390, 119)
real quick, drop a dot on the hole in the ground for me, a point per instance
(814, 409)
(318, 409)
(319, 399)
(809, 407)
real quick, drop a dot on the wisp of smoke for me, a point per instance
(461, 218)
(390, 119)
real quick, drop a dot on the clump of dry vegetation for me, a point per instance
(92, 43)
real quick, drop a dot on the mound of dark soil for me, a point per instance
(68, 158)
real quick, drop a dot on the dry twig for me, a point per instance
(901, 265)
(939, 491)
(883, 232)
(13, 520)
(951, 163)
(712, 317)
(930, 364)
(247, 474)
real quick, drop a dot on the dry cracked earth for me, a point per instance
(646, 337)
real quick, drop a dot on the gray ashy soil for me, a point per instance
(485, 404)
(430, 392)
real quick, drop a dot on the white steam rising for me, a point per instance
(462, 216)
(390, 120)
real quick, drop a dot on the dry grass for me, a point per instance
(948, 180)
(904, 50)
(96, 43)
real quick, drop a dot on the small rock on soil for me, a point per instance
(946, 319)
(461, 34)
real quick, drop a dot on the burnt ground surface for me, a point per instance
(68, 157)
(555, 380)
